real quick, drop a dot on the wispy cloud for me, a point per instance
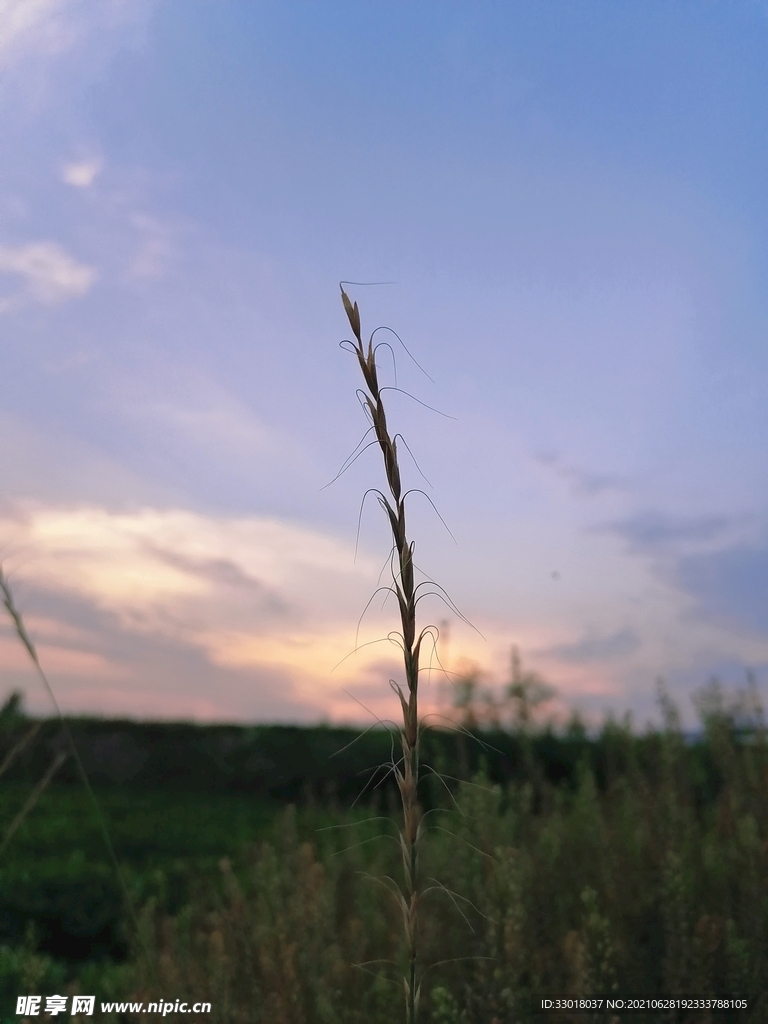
(597, 648)
(34, 24)
(49, 49)
(171, 612)
(214, 418)
(245, 595)
(48, 273)
(138, 559)
(730, 585)
(655, 531)
(81, 173)
(96, 665)
(715, 565)
(583, 483)
(155, 248)
(50, 27)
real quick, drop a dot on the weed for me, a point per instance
(406, 770)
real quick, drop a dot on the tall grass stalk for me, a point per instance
(406, 771)
(23, 635)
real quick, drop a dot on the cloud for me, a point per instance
(653, 531)
(721, 578)
(238, 598)
(155, 248)
(196, 421)
(137, 559)
(48, 272)
(595, 648)
(728, 582)
(49, 51)
(57, 467)
(36, 24)
(213, 419)
(35, 28)
(730, 585)
(171, 613)
(583, 482)
(82, 173)
(97, 666)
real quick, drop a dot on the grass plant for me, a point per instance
(11, 755)
(25, 964)
(406, 770)
(26, 640)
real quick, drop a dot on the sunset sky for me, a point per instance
(570, 200)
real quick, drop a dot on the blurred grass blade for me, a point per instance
(34, 796)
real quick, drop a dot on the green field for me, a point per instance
(613, 863)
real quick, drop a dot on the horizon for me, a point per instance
(560, 730)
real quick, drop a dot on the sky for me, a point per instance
(568, 201)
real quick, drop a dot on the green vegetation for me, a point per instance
(644, 884)
(624, 862)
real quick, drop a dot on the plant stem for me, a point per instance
(404, 590)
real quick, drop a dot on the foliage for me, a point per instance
(632, 886)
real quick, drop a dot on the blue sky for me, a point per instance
(570, 199)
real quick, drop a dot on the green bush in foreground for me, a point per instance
(633, 888)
